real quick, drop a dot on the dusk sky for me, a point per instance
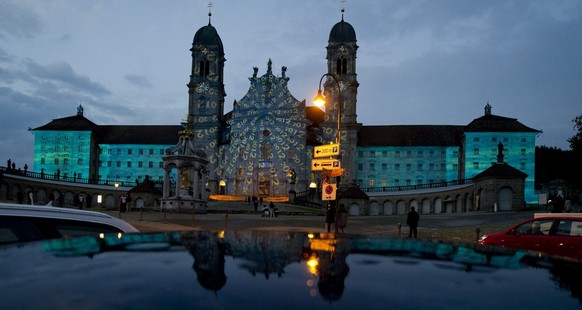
(419, 62)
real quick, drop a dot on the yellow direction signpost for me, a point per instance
(319, 164)
(327, 150)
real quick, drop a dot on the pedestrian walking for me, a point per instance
(412, 221)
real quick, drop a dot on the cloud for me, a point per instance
(18, 20)
(138, 80)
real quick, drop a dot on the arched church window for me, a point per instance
(265, 151)
(204, 68)
(342, 66)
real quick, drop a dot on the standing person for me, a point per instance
(342, 218)
(412, 221)
(329, 216)
(89, 200)
(61, 200)
(122, 203)
(81, 201)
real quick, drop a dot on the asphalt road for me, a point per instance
(451, 227)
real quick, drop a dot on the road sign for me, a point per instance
(319, 164)
(326, 150)
(328, 192)
(332, 173)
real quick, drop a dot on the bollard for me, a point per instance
(399, 226)
(226, 221)
(478, 231)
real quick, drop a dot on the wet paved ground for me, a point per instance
(229, 215)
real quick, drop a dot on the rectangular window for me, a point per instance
(420, 153)
(129, 151)
(151, 164)
(161, 164)
(384, 167)
(66, 148)
(396, 182)
(408, 182)
(494, 139)
(522, 166)
(419, 167)
(431, 167)
(140, 164)
(372, 167)
(56, 161)
(522, 151)
(408, 153)
(476, 139)
(118, 164)
(523, 139)
(431, 153)
(372, 153)
(371, 182)
(151, 151)
(140, 151)
(397, 154)
(505, 139)
(118, 151)
(360, 154)
(383, 182)
(128, 164)
(455, 167)
(80, 161)
(42, 161)
(408, 167)
(161, 152)
(79, 176)
(57, 148)
(443, 167)
(475, 165)
(360, 167)
(80, 148)
(109, 163)
(384, 153)
(397, 167)
(65, 161)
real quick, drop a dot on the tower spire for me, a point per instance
(209, 11)
(343, 8)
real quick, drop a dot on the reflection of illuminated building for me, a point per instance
(208, 252)
(331, 267)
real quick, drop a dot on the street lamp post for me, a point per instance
(116, 200)
(320, 102)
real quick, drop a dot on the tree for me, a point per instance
(576, 140)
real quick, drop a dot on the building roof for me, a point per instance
(342, 32)
(501, 170)
(496, 123)
(410, 135)
(208, 35)
(139, 134)
(72, 123)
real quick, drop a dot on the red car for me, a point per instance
(553, 234)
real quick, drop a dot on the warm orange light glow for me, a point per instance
(312, 264)
(319, 100)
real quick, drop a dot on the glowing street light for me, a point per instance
(320, 101)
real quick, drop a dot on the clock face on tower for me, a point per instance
(202, 87)
(343, 86)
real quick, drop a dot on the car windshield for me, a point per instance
(537, 227)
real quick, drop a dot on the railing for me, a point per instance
(416, 187)
(73, 179)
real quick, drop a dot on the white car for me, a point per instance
(22, 223)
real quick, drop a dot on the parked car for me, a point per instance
(257, 269)
(23, 223)
(553, 234)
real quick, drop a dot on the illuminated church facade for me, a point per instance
(264, 146)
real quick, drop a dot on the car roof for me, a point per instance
(261, 269)
(12, 209)
(577, 216)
